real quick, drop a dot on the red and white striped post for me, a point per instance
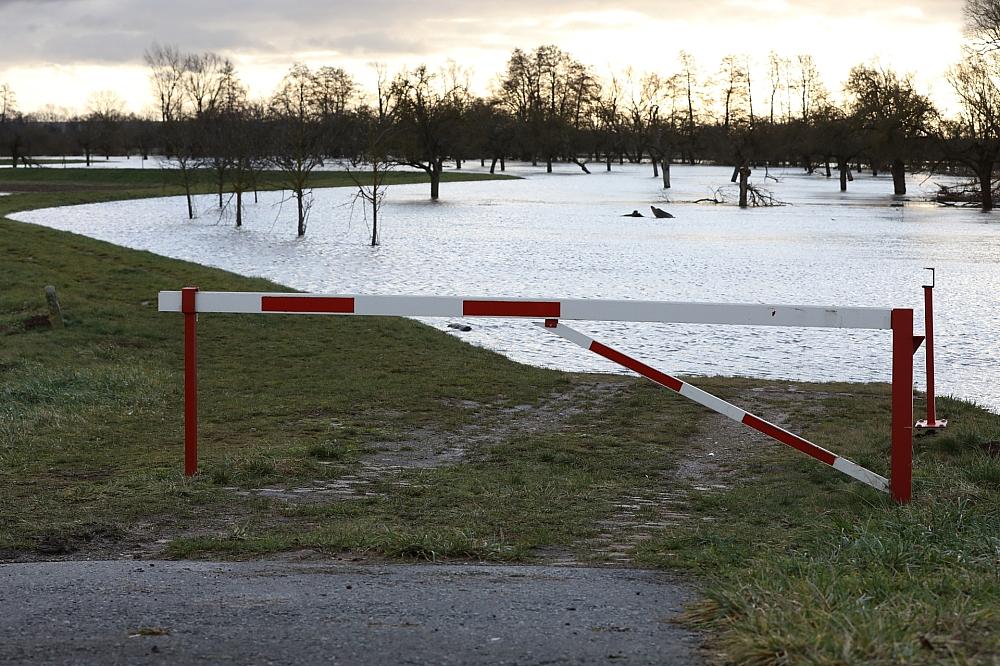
(188, 307)
(932, 422)
(904, 346)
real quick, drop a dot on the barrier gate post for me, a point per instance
(903, 347)
(188, 298)
(932, 422)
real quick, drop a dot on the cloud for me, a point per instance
(117, 31)
(264, 36)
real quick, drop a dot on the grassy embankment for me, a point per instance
(796, 563)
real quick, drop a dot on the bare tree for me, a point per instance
(222, 113)
(333, 90)
(8, 103)
(11, 135)
(982, 24)
(891, 112)
(428, 111)
(555, 98)
(973, 138)
(105, 112)
(689, 79)
(297, 147)
(812, 92)
(370, 167)
(774, 74)
(735, 84)
(167, 67)
(202, 80)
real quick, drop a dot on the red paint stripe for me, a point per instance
(307, 304)
(511, 308)
(788, 438)
(661, 378)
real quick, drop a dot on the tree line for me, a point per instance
(545, 107)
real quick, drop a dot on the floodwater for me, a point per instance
(563, 235)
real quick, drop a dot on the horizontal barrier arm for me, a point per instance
(738, 314)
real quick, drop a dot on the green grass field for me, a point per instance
(377, 437)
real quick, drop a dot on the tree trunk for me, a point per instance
(482, 161)
(666, 173)
(239, 208)
(842, 167)
(187, 193)
(503, 163)
(458, 163)
(736, 173)
(656, 170)
(435, 180)
(828, 171)
(898, 177)
(744, 173)
(493, 166)
(548, 165)
(608, 156)
(985, 173)
(299, 194)
(374, 201)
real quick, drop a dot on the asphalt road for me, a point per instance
(132, 612)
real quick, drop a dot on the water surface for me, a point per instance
(562, 235)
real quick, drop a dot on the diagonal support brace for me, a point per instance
(720, 406)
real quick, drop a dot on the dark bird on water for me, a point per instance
(659, 212)
(634, 213)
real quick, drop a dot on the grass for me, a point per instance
(796, 563)
(803, 568)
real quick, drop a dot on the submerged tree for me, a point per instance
(973, 139)
(296, 148)
(373, 160)
(428, 113)
(554, 98)
(891, 113)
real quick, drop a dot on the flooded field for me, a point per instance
(563, 235)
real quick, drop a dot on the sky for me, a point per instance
(59, 52)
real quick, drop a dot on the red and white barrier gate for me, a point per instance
(190, 301)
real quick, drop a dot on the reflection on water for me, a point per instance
(562, 235)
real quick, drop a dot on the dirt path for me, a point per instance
(706, 465)
(140, 612)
